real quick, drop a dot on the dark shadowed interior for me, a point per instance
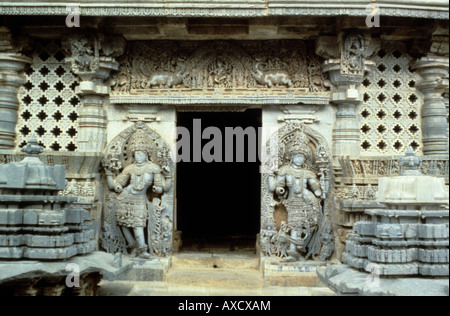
(219, 202)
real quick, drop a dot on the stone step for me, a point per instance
(121, 288)
(292, 279)
(295, 274)
(210, 278)
(216, 261)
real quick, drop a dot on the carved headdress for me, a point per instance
(139, 141)
(299, 144)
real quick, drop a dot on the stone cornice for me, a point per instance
(437, 9)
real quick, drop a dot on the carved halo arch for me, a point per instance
(117, 156)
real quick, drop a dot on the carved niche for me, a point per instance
(353, 55)
(296, 199)
(84, 49)
(218, 65)
(119, 161)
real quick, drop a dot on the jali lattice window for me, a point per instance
(390, 113)
(49, 106)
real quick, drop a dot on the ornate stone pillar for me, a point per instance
(433, 69)
(346, 66)
(92, 59)
(12, 64)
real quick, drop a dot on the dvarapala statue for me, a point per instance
(299, 190)
(134, 184)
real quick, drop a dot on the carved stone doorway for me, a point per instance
(218, 203)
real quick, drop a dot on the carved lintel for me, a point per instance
(141, 117)
(220, 68)
(298, 115)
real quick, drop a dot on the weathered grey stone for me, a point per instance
(11, 252)
(433, 231)
(434, 270)
(48, 241)
(365, 228)
(434, 255)
(147, 270)
(405, 241)
(356, 249)
(346, 281)
(43, 228)
(15, 272)
(11, 217)
(50, 253)
(392, 256)
(87, 247)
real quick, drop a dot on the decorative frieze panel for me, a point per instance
(49, 106)
(367, 168)
(196, 69)
(390, 112)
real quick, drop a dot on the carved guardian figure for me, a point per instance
(299, 190)
(132, 207)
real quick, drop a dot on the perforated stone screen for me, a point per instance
(390, 114)
(49, 107)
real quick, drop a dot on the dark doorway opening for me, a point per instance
(218, 203)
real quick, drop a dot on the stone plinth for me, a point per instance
(411, 236)
(412, 191)
(35, 222)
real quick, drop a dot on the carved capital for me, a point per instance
(14, 44)
(298, 114)
(92, 55)
(439, 42)
(347, 57)
(113, 46)
(327, 47)
(433, 70)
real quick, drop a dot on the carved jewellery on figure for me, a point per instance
(299, 145)
(139, 141)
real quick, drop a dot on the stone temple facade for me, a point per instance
(348, 101)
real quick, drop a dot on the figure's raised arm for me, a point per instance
(119, 182)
